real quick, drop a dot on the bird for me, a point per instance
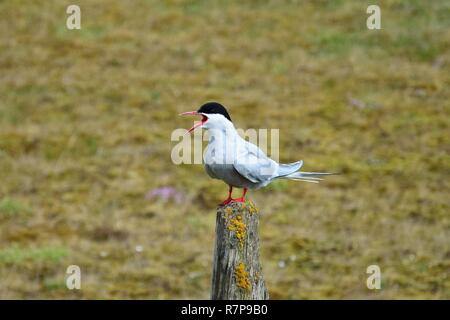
(236, 161)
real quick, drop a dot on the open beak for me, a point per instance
(198, 124)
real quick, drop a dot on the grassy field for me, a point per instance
(86, 118)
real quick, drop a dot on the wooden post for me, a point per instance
(237, 273)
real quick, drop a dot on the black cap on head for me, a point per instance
(214, 107)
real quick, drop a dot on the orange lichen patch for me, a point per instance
(239, 228)
(242, 280)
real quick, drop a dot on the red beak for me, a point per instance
(198, 124)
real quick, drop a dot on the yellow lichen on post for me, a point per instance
(228, 211)
(242, 280)
(251, 207)
(239, 228)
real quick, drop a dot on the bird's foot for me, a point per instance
(241, 199)
(227, 201)
(230, 200)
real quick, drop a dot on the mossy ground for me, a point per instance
(85, 124)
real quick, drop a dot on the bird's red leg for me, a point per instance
(241, 199)
(228, 200)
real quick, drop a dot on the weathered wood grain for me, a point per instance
(237, 272)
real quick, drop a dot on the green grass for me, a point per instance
(16, 255)
(85, 124)
(11, 208)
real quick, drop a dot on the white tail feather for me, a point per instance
(307, 176)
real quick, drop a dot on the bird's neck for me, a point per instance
(222, 135)
(221, 145)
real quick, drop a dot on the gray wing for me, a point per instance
(253, 164)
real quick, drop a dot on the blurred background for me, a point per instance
(86, 118)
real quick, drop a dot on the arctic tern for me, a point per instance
(237, 162)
